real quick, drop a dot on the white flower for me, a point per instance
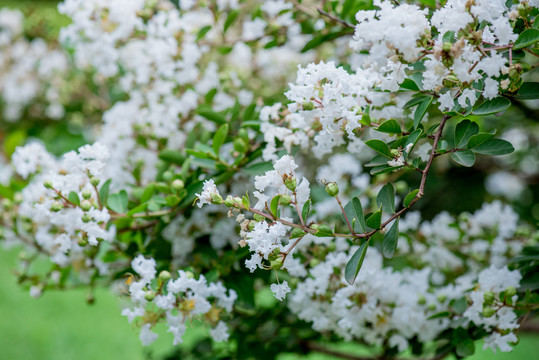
(147, 336)
(220, 332)
(208, 190)
(144, 267)
(280, 290)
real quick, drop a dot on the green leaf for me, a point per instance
(493, 106)
(118, 202)
(12, 140)
(148, 193)
(74, 198)
(208, 113)
(466, 348)
(526, 38)
(354, 213)
(274, 206)
(421, 110)
(378, 160)
(478, 139)
(409, 84)
(320, 39)
(172, 156)
(104, 191)
(464, 131)
(412, 139)
(219, 137)
(374, 220)
(464, 158)
(258, 168)
(494, 147)
(245, 201)
(380, 147)
(324, 231)
(230, 19)
(439, 315)
(354, 264)
(386, 198)
(203, 31)
(306, 209)
(390, 126)
(389, 244)
(528, 90)
(137, 209)
(411, 195)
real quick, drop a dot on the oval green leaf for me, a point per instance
(354, 264)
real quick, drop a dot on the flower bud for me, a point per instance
(308, 105)
(164, 276)
(315, 226)
(488, 296)
(431, 307)
(240, 145)
(332, 189)
(86, 194)
(290, 182)
(285, 200)
(421, 300)
(510, 291)
(56, 206)
(86, 218)
(488, 311)
(82, 242)
(251, 225)
(314, 262)
(216, 199)
(47, 184)
(447, 46)
(442, 298)
(149, 295)
(167, 176)
(189, 275)
(85, 205)
(94, 181)
(178, 185)
(229, 201)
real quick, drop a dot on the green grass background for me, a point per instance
(61, 326)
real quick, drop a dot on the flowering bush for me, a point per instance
(233, 149)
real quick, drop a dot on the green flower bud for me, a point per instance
(178, 185)
(229, 201)
(164, 276)
(431, 307)
(17, 198)
(442, 298)
(167, 176)
(86, 194)
(394, 152)
(47, 184)
(332, 189)
(510, 291)
(216, 199)
(421, 300)
(149, 295)
(488, 296)
(240, 145)
(332, 247)
(314, 262)
(308, 106)
(86, 218)
(56, 206)
(315, 226)
(94, 181)
(85, 205)
(82, 242)
(189, 275)
(290, 182)
(488, 311)
(285, 200)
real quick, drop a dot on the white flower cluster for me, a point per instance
(60, 203)
(176, 301)
(30, 71)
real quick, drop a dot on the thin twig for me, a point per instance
(336, 19)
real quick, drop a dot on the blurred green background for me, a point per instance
(61, 325)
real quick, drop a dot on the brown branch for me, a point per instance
(321, 349)
(336, 19)
(344, 215)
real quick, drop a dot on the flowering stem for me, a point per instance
(344, 215)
